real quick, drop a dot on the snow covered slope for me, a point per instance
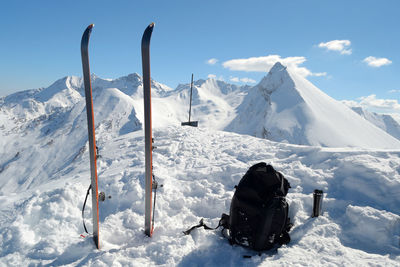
(41, 224)
(286, 107)
(214, 103)
(45, 130)
(387, 122)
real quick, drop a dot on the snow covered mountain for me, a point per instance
(45, 126)
(286, 107)
(283, 107)
(387, 122)
(214, 102)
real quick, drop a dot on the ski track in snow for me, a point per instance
(40, 225)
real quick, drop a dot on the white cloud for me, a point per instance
(213, 76)
(265, 63)
(212, 61)
(342, 46)
(243, 80)
(247, 80)
(319, 74)
(372, 101)
(377, 62)
(375, 104)
(394, 91)
(234, 79)
(351, 103)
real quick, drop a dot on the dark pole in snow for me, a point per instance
(191, 89)
(190, 123)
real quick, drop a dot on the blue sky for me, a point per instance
(349, 49)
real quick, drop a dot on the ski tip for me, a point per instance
(89, 29)
(85, 37)
(147, 35)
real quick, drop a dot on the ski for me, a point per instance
(91, 134)
(149, 208)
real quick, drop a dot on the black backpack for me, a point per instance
(258, 216)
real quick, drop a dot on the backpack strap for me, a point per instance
(284, 238)
(282, 187)
(224, 222)
(201, 224)
(83, 208)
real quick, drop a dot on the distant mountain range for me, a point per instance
(283, 107)
(387, 122)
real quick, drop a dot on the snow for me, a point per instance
(387, 122)
(199, 168)
(44, 175)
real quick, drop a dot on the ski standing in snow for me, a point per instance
(91, 134)
(149, 176)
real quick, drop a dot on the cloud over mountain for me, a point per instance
(265, 63)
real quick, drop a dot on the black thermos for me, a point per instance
(317, 206)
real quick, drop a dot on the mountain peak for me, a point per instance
(286, 107)
(276, 77)
(133, 77)
(64, 86)
(277, 67)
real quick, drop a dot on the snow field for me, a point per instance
(199, 169)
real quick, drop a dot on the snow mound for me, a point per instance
(286, 107)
